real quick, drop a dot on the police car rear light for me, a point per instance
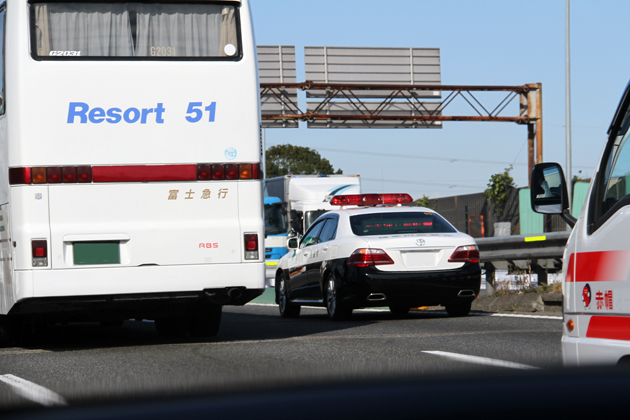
(467, 253)
(39, 250)
(251, 246)
(370, 199)
(133, 173)
(365, 257)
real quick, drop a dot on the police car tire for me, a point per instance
(287, 310)
(458, 309)
(336, 310)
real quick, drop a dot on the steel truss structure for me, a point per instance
(345, 105)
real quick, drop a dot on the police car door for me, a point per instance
(598, 269)
(298, 269)
(319, 256)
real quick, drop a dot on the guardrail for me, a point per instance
(522, 247)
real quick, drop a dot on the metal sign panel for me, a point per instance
(276, 64)
(414, 66)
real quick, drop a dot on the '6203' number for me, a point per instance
(65, 53)
(162, 52)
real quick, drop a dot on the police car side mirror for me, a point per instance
(292, 243)
(548, 190)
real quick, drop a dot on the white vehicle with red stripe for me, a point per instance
(374, 252)
(597, 256)
(130, 182)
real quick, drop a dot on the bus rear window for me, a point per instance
(134, 30)
(397, 223)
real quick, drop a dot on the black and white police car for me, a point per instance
(373, 252)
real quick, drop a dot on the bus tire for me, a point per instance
(172, 327)
(205, 321)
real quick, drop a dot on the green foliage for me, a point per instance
(498, 189)
(424, 202)
(286, 159)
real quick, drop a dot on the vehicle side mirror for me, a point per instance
(292, 243)
(549, 191)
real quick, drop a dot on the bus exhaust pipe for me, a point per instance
(374, 297)
(466, 293)
(235, 293)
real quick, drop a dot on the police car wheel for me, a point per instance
(287, 310)
(458, 309)
(335, 308)
(399, 310)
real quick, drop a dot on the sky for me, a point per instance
(481, 42)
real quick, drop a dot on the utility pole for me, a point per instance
(568, 106)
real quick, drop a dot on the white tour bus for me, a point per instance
(596, 287)
(130, 153)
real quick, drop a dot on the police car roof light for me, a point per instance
(370, 199)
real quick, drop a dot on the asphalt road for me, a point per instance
(256, 349)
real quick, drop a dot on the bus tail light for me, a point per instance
(69, 174)
(53, 175)
(467, 253)
(39, 249)
(365, 257)
(231, 171)
(204, 172)
(134, 173)
(251, 246)
(245, 171)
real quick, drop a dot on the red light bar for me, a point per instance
(370, 199)
(144, 173)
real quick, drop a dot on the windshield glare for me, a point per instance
(70, 30)
(394, 223)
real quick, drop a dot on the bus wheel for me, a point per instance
(172, 327)
(205, 321)
(5, 331)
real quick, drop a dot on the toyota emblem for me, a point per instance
(420, 242)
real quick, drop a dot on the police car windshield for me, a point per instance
(134, 30)
(395, 223)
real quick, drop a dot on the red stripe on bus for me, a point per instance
(598, 266)
(144, 173)
(609, 327)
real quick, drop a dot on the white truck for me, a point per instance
(596, 287)
(303, 199)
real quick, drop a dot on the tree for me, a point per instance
(424, 202)
(286, 159)
(498, 188)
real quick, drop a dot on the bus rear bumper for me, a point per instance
(137, 280)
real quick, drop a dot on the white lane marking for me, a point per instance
(480, 360)
(528, 316)
(32, 391)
